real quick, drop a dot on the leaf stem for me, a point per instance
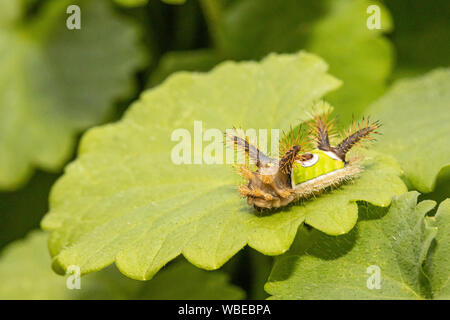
(213, 12)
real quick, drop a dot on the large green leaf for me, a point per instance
(55, 82)
(335, 30)
(437, 268)
(415, 114)
(25, 273)
(124, 200)
(319, 266)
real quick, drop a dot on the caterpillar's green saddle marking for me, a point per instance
(321, 162)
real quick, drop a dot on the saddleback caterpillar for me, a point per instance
(301, 171)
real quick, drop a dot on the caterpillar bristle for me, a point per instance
(288, 159)
(293, 138)
(357, 133)
(240, 142)
(321, 130)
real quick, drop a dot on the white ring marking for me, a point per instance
(310, 162)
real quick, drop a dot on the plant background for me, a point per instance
(142, 43)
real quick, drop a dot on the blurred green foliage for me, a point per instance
(56, 82)
(420, 36)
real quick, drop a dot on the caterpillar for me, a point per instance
(301, 171)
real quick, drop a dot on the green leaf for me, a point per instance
(437, 268)
(319, 266)
(25, 273)
(56, 82)
(125, 198)
(415, 126)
